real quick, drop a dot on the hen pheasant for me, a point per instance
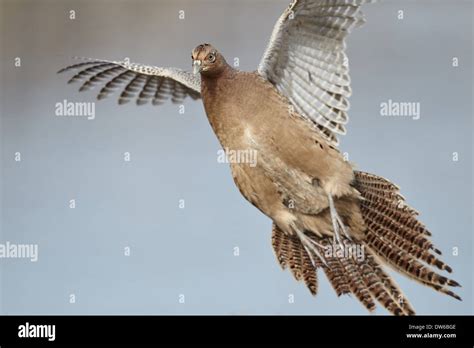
(325, 214)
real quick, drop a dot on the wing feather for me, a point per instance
(306, 60)
(141, 83)
(100, 77)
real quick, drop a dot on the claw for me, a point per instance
(337, 223)
(310, 246)
(343, 227)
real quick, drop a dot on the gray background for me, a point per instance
(190, 251)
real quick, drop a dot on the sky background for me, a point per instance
(190, 251)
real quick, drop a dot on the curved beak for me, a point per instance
(197, 66)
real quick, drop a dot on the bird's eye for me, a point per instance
(211, 58)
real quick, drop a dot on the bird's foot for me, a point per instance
(311, 246)
(337, 223)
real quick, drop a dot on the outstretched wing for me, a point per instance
(136, 82)
(306, 62)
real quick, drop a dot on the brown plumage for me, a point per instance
(289, 112)
(295, 163)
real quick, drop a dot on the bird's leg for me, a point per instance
(310, 246)
(310, 256)
(337, 223)
(343, 227)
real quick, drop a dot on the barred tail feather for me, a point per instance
(396, 236)
(290, 253)
(365, 279)
(393, 236)
(389, 283)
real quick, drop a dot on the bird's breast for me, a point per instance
(239, 110)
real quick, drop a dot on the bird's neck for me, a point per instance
(214, 84)
(224, 71)
(217, 91)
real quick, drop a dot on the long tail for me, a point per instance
(365, 279)
(393, 236)
(396, 236)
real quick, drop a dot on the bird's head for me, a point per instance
(207, 60)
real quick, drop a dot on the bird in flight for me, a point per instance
(326, 215)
